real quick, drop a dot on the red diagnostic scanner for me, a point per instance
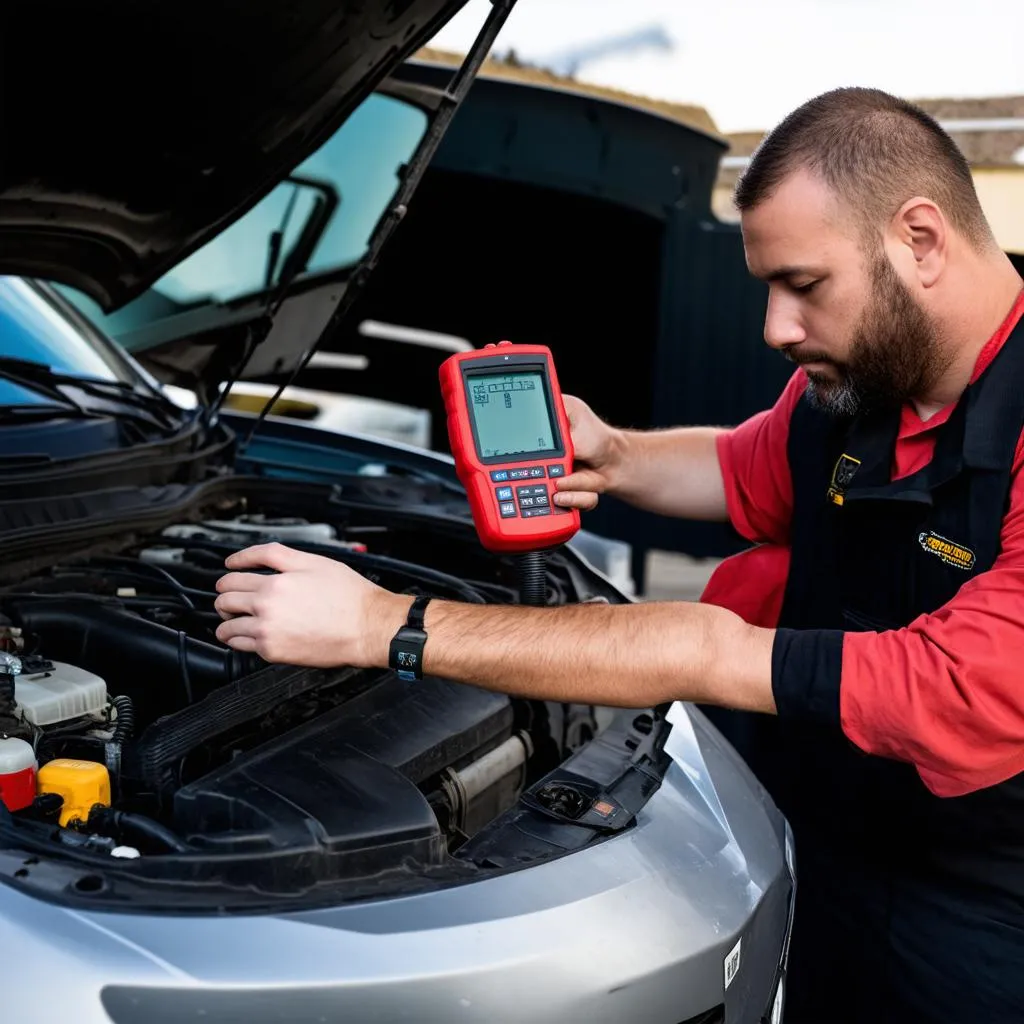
(509, 435)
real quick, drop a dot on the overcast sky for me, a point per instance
(751, 61)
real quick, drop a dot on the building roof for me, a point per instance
(693, 116)
(982, 148)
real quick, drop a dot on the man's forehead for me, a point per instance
(801, 223)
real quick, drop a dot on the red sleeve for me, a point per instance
(755, 469)
(751, 584)
(946, 693)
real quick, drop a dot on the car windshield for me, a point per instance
(37, 329)
(361, 161)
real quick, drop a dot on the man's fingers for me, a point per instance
(580, 480)
(239, 582)
(578, 490)
(235, 603)
(573, 407)
(583, 500)
(267, 556)
(243, 643)
(232, 629)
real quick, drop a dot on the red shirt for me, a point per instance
(946, 692)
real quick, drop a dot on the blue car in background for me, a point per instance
(189, 832)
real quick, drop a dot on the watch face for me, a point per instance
(406, 653)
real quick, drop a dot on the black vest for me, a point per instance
(872, 554)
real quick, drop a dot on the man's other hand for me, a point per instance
(596, 447)
(310, 611)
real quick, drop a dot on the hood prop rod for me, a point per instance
(450, 102)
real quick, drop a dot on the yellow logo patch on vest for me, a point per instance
(952, 554)
(842, 474)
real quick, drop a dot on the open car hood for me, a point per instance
(133, 133)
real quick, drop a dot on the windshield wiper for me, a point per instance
(26, 375)
(44, 380)
(130, 424)
(19, 413)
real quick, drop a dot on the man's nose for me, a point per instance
(783, 325)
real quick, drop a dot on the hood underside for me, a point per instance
(132, 133)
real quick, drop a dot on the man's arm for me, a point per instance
(318, 612)
(618, 655)
(671, 472)
(739, 474)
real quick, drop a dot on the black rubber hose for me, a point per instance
(124, 724)
(533, 578)
(141, 827)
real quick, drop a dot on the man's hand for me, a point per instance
(598, 446)
(313, 611)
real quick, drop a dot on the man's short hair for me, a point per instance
(873, 150)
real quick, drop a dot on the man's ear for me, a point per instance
(920, 235)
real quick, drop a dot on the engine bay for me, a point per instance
(130, 736)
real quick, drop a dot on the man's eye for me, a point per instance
(805, 288)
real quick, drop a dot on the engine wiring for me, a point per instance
(364, 562)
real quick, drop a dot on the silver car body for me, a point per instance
(688, 910)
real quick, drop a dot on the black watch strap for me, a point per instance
(416, 612)
(405, 655)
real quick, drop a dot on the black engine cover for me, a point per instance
(349, 779)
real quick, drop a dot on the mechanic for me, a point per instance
(871, 642)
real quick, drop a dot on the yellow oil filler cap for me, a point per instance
(82, 784)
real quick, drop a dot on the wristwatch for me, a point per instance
(405, 655)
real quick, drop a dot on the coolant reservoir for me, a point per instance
(59, 694)
(17, 773)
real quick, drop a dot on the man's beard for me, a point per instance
(895, 355)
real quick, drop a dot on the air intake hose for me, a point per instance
(106, 639)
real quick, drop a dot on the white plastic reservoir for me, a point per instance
(66, 692)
